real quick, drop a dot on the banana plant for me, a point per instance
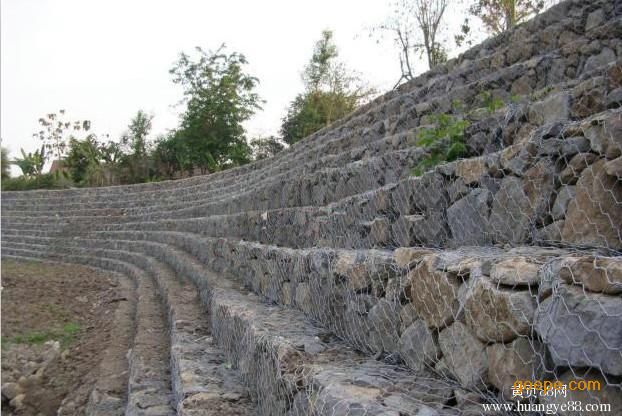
(31, 164)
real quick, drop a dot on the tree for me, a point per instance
(135, 139)
(91, 162)
(265, 147)
(429, 14)
(415, 26)
(31, 164)
(219, 96)
(332, 91)
(135, 158)
(55, 132)
(4, 163)
(82, 155)
(498, 16)
(169, 155)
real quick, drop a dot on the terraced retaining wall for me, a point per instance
(337, 282)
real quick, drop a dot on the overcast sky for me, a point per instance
(104, 60)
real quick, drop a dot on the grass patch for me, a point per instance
(65, 336)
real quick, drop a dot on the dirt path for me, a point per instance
(56, 323)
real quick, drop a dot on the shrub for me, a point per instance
(46, 181)
(444, 142)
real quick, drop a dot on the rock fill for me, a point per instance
(336, 281)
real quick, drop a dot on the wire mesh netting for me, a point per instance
(450, 239)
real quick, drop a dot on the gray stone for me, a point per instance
(468, 219)
(351, 265)
(582, 329)
(509, 219)
(551, 232)
(408, 315)
(572, 145)
(594, 19)
(428, 229)
(384, 321)
(564, 195)
(417, 347)
(575, 166)
(457, 189)
(498, 315)
(519, 203)
(464, 355)
(10, 390)
(594, 215)
(553, 108)
(605, 56)
(614, 98)
(605, 134)
(380, 231)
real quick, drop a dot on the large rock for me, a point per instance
(408, 315)
(571, 173)
(417, 347)
(522, 359)
(595, 215)
(384, 322)
(434, 294)
(498, 315)
(407, 257)
(582, 329)
(420, 229)
(564, 195)
(514, 271)
(471, 170)
(464, 355)
(468, 219)
(596, 274)
(605, 134)
(510, 215)
(605, 56)
(519, 203)
(362, 268)
(555, 107)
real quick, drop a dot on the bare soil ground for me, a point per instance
(56, 322)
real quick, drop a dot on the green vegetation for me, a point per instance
(491, 102)
(265, 147)
(444, 142)
(31, 164)
(65, 336)
(331, 92)
(44, 181)
(220, 95)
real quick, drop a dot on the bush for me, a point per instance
(46, 181)
(444, 142)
